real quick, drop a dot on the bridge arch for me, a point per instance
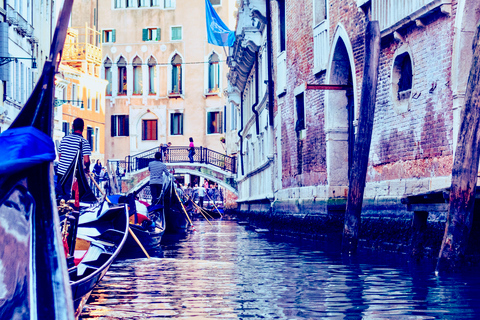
(193, 169)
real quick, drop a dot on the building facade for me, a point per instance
(166, 83)
(424, 64)
(26, 29)
(80, 91)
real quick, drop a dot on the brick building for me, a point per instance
(424, 64)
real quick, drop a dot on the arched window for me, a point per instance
(152, 75)
(137, 76)
(108, 75)
(402, 72)
(122, 76)
(176, 75)
(213, 73)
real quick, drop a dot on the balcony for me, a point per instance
(11, 16)
(81, 46)
(393, 14)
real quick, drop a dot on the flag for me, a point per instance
(217, 32)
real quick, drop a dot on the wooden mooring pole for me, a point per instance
(358, 172)
(464, 172)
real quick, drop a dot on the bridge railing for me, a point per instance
(179, 154)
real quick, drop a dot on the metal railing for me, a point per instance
(179, 154)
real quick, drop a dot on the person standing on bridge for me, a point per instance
(157, 169)
(191, 150)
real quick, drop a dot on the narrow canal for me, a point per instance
(229, 271)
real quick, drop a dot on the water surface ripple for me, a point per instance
(227, 271)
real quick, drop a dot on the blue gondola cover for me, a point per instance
(21, 148)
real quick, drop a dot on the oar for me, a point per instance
(202, 211)
(185, 211)
(214, 204)
(129, 229)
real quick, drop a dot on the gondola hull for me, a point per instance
(107, 234)
(150, 240)
(175, 220)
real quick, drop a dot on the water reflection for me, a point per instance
(226, 271)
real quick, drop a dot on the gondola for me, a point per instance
(148, 228)
(99, 233)
(176, 220)
(94, 235)
(34, 272)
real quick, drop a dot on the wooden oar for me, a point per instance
(129, 229)
(185, 211)
(214, 204)
(202, 211)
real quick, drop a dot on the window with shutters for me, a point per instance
(152, 76)
(176, 124)
(149, 130)
(130, 3)
(90, 137)
(214, 122)
(119, 126)
(137, 76)
(65, 128)
(97, 102)
(108, 75)
(213, 74)
(143, 3)
(176, 33)
(108, 36)
(155, 3)
(118, 4)
(176, 75)
(151, 34)
(300, 115)
(89, 100)
(97, 139)
(122, 76)
(169, 4)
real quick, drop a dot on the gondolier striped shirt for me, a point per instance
(68, 149)
(157, 168)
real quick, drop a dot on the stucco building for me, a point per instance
(26, 29)
(166, 83)
(424, 64)
(79, 90)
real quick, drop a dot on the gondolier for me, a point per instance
(157, 168)
(67, 151)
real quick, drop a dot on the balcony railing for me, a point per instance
(83, 46)
(392, 14)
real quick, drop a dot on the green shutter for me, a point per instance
(209, 122)
(144, 34)
(127, 125)
(180, 125)
(102, 37)
(113, 35)
(159, 36)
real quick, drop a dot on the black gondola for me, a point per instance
(148, 229)
(101, 231)
(33, 263)
(176, 220)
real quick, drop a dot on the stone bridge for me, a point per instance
(135, 180)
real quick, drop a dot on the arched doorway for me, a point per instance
(340, 115)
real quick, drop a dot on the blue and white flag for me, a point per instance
(217, 32)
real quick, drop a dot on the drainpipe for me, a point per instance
(254, 106)
(239, 133)
(269, 62)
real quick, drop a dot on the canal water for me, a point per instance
(231, 271)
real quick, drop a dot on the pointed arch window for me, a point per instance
(152, 75)
(176, 75)
(122, 76)
(137, 76)
(108, 75)
(213, 74)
